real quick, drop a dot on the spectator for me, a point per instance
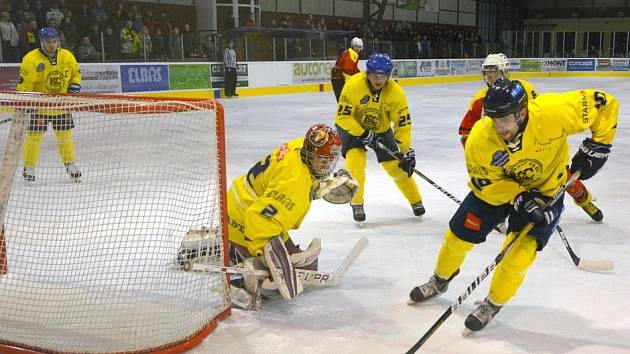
(82, 20)
(209, 48)
(54, 13)
(250, 21)
(39, 13)
(68, 27)
(52, 23)
(138, 22)
(229, 65)
(146, 45)
(273, 23)
(175, 44)
(148, 21)
(94, 33)
(29, 38)
(159, 45)
(188, 40)
(111, 44)
(117, 21)
(129, 41)
(165, 27)
(98, 10)
(86, 52)
(286, 22)
(10, 38)
(198, 53)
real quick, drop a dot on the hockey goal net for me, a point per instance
(90, 267)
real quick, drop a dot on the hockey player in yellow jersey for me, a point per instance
(274, 197)
(49, 69)
(373, 109)
(497, 66)
(516, 158)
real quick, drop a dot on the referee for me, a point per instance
(229, 61)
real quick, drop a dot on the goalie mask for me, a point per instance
(321, 150)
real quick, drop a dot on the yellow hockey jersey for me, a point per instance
(499, 171)
(39, 73)
(271, 199)
(360, 109)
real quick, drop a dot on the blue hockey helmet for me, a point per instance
(48, 33)
(379, 63)
(505, 97)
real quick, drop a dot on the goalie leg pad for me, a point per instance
(281, 268)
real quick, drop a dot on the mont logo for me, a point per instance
(139, 75)
(554, 62)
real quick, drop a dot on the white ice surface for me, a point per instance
(559, 309)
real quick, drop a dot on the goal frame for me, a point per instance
(175, 104)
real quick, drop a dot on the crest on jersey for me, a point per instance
(500, 158)
(371, 118)
(525, 171)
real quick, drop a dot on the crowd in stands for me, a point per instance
(93, 31)
(403, 39)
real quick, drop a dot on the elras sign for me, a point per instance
(144, 78)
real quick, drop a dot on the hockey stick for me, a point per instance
(308, 277)
(489, 268)
(585, 264)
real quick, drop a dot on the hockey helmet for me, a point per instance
(357, 42)
(495, 63)
(48, 33)
(320, 150)
(505, 97)
(379, 63)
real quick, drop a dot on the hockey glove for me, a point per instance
(407, 161)
(369, 138)
(530, 205)
(590, 157)
(74, 88)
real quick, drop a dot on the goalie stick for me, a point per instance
(307, 277)
(475, 284)
(585, 264)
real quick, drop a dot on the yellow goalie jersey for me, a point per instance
(499, 171)
(271, 199)
(360, 110)
(38, 73)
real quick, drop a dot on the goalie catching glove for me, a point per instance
(339, 188)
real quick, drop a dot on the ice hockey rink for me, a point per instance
(559, 309)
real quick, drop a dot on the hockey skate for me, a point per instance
(593, 211)
(435, 286)
(29, 174)
(358, 214)
(418, 209)
(73, 172)
(482, 315)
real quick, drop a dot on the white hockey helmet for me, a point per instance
(357, 42)
(495, 63)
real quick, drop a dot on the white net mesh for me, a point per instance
(90, 266)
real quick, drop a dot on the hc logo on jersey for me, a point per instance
(54, 81)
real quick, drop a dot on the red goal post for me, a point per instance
(91, 266)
